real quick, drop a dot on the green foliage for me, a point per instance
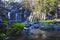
(46, 5)
(13, 3)
(33, 22)
(5, 22)
(47, 22)
(1, 37)
(58, 23)
(18, 25)
(16, 29)
(50, 22)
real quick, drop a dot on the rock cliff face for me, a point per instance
(12, 11)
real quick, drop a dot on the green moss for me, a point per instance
(47, 22)
(18, 25)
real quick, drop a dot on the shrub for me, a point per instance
(1, 37)
(5, 22)
(18, 25)
(15, 30)
(47, 22)
(58, 23)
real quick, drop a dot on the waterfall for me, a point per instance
(16, 16)
(9, 15)
(30, 18)
(33, 17)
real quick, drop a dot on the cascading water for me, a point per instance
(16, 16)
(9, 15)
(30, 17)
(33, 17)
